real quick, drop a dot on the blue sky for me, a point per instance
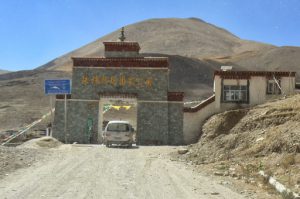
(33, 32)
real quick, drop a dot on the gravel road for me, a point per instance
(86, 171)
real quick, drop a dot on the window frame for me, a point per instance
(275, 88)
(235, 93)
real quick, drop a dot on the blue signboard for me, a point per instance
(57, 86)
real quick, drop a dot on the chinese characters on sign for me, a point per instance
(121, 80)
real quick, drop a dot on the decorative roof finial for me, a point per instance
(122, 36)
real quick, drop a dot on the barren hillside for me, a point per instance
(280, 58)
(3, 71)
(22, 98)
(186, 37)
(266, 137)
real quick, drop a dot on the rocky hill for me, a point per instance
(242, 142)
(22, 98)
(3, 71)
(280, 58)
(186, 37)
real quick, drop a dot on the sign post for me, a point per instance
(65, 126)
(59, 86)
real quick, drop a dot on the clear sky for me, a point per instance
(33, 32)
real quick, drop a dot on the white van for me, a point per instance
(118, 132)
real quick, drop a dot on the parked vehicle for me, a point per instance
(118, 132)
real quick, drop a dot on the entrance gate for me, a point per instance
(127, 99)
(122, 73)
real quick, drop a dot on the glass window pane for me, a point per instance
(243, 87)
(235, 93)
(227, 96)
(243, 96)
(226, 87)
(118, 127)
(235, 87)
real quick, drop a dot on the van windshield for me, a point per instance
(119, 127)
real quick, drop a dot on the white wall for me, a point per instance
(193, 122)
(288, 85)
(257, 90)
(217, 85)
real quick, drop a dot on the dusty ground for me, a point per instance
(12, 158)
(239, 143)
(82, 171)
(30, 152)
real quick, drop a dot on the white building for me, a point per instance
(237, 89)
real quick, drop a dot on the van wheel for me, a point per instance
(130, 145)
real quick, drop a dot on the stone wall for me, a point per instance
(158, 121)
(149, 84)
(175, 123)
(78, 112)
(59, 121)
(152, 120)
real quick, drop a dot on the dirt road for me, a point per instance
(99, 172)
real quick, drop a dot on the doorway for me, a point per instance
(117, 108)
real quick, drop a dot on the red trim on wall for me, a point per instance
(143, 62)
(249, 74)
(121, 46)
(175, 96)
(199, 106)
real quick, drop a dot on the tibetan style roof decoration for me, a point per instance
(122, 36)
(249, 74)
(121, 46)
(142, 62)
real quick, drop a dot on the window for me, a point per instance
(272, 87)
(234, 93)
(118, 127)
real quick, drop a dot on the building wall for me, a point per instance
(156, 124)
(121, 54)
(78, 112)
(158, 90)
(59, 121)
(193, 122)
(152, 123)
(288, 85)
(257, 90)
(175, 123)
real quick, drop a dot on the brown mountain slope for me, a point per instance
(186, 37)
(3, 71)
(22, 98)
(281, 58)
